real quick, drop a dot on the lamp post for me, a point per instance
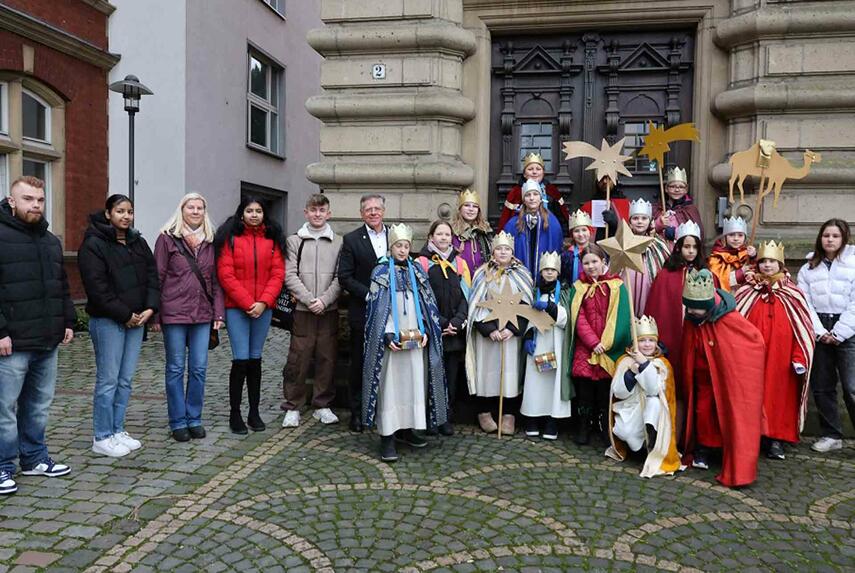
(132, 90)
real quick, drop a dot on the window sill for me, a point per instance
(7, 145)
(264, 151)
(41, 151)
(274, 10)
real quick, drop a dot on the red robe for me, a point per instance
(734, 352)
(619, 205)
(684, 210)
(665, 304)
(514, 201)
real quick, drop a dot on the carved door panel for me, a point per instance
(548, 89)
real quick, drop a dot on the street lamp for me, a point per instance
(132, 90)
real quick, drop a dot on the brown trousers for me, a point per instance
(312, 336)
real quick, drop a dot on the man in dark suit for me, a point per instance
(359, 253)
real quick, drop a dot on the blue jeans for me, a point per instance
(185, 405)
(117, 349)
(247, 335)
(27, 379)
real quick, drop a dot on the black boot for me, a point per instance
(583, 432)
(388, 453)
(253, 392)
(236, 378)
(651, 436)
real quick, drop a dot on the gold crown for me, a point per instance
(532, 158)
(580, 219)
(699, 285)
(771, 250)
(400, 232)
(677, 175)
(468, 196)
(646, 327)
(550, 260)
(502, 239)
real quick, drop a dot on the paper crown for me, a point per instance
(689, 228)
(771, 250)
(550, 260)
(502, 239)
(530, 185)
(468, 196)
(699, 286)
(734, 225)
(646, 327)
(580, 219)
(400, 232)
(640, 207)
(677, 175)
(532, 158)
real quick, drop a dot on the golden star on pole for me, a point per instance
(507, 306)
(607, 159)
(625, 249)
(657, 140)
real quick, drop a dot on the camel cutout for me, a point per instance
(746, 164)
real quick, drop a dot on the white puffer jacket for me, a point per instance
(832, 291)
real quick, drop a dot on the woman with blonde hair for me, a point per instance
(191, 305)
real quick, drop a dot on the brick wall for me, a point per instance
(73, 16)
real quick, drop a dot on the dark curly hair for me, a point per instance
(676, 261)
(234, 226)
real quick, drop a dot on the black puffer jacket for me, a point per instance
(450, 300)
(35, 305)
(119, 279)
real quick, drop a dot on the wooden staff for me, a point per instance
(608, 204)
(628, 285)
(501, 386)
(757, 204)
(661, 187)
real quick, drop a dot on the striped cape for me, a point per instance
(784, 289)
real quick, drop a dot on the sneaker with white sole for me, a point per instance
(292, 419)
(110, 447)
(47, 468)
(7, 484)
(126, 440)
(827, 444)
(325, 416)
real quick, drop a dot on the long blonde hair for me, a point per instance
(175, 225)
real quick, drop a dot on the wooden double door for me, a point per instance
(548, 89)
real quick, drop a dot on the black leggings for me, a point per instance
(592, 396)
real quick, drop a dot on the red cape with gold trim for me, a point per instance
(735, 353)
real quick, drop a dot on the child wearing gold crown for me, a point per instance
(779, 310)
(533, 170)
(580, 235)
(472, 232)
(543, 365)
(643, 406)
(722, 385)
(598, 309)
(493, 352)
(403, 387)
(653, 257)
(679, 207)
(731, 260)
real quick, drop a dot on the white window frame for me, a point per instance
(48, 113)
(48, 186)
(277, 6)
(4, 108)
(274, 77)
(5, 180)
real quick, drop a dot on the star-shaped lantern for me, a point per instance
(607, 159)
(625, 249)
(507, 306)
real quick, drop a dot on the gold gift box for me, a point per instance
(545, 362)
(410, 339)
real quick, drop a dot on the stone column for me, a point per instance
(399, 135)
(791, 81)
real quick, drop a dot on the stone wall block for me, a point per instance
(440, 104)
(374, 10)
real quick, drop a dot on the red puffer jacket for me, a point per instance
(251, 270)
(589, 328)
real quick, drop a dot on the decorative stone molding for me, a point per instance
(101, 5)
(442, 105)
(795, 95)
(786, 21)
(441, 37)
(387, 173)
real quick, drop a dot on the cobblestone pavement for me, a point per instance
(317, 498)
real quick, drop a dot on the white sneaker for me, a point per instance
(325, 416)
(7, 484)
(48, 468)
(292, 419)
(126, 440)
(110, 447)
(827, 444)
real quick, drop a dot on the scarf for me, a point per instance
(193, 238)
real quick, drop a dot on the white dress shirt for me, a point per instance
(378, 240)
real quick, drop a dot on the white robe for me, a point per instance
(542, 390)
(488, 358)
(402, 399)
(638, 406)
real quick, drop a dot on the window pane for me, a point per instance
(35, 168)
(635, 133)
(537, 137)
(257, 126)
(274, 132)
(258, 78)
(4, 175)
(35, 118)
(2, 111)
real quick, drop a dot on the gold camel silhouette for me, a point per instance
(745, 164)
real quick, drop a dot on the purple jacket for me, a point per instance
(182, 299)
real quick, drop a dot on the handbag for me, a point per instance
(214, 335)
(283, 310)
(545, 362)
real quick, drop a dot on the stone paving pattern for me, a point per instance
(317, 499)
